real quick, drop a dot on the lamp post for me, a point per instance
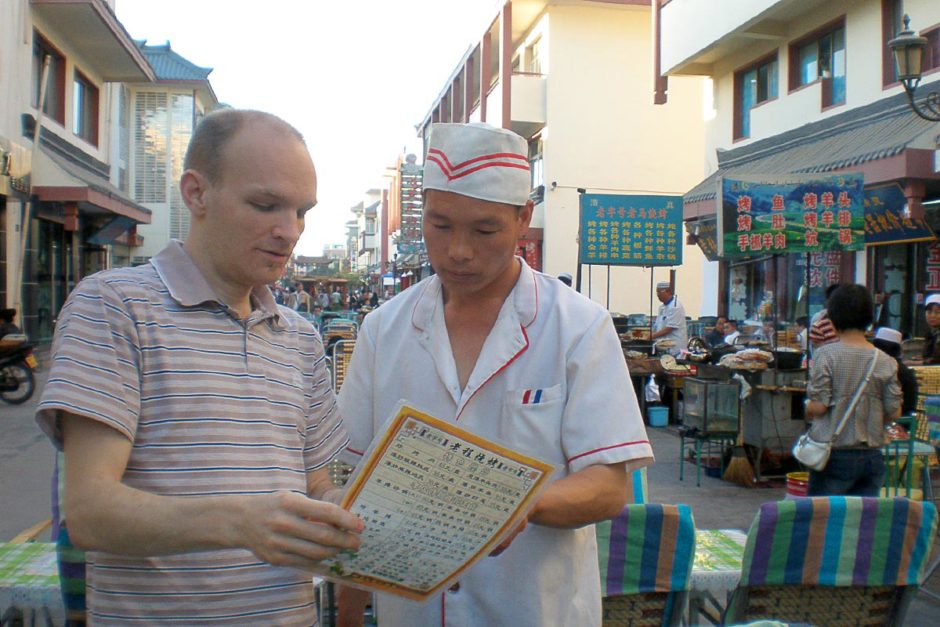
(908, 50)
(395, 273)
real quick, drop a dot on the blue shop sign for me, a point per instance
(885, 222)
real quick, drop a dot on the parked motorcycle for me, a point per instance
(17, 363)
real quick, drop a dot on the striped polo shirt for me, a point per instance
(214, 405)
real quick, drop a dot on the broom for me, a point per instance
(739, 469)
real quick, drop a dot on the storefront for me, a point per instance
(893, 150)
(75, 215)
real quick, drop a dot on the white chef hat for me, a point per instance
(932, 299)
(479, 161)
(889, 335)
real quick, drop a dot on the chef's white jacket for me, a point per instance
(549, 339)
(672, 314)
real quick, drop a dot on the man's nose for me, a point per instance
(460, 248)
(288, 226)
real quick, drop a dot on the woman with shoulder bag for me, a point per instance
(853, 389)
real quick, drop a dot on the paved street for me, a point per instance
(26, 461)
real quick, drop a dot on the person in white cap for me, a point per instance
(670, 322)
(517, 357)
(565, 278)
(932, 313)
(889, 341)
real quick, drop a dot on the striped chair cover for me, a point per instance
(646, 555)
(839, 541)
(71, 561)
(932, 413)
(852, 560)
(647, 548)
(638, 488)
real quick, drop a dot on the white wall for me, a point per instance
(794, 109)
(604, 134)
(694, 25)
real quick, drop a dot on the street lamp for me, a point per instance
(908, 50)
(395, 273)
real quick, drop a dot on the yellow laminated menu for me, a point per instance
(435, 498)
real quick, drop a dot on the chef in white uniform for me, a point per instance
(517, 357)
(670, 323)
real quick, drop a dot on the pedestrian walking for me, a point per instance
(853, 386)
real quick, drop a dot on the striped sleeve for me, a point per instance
(325, 435)
(95, 365)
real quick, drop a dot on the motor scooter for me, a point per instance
(17, 363)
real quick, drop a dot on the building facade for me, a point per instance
(162, 115)
(578, 81)
(63, 203)
(809, 87)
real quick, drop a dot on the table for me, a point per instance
(29, 582)
(716, 571)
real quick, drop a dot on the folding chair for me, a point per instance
(646, 555)
(834, 560)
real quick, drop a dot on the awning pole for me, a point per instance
(19, 277)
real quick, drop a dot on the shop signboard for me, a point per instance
(629, 230)
(885, 222)
(790, 213)
(933, 268)
(704, 232)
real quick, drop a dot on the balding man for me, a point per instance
(195, 414)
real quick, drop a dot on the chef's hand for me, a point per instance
(502, 546)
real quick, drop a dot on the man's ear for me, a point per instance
(193, 188)
(525, 214)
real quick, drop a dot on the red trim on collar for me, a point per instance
(352, 450)
(504, 366)
(607, 448)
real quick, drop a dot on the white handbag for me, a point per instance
(815, 454)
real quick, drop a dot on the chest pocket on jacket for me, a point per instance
(534, 415)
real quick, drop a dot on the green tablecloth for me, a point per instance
(29, 577)
(718, 556)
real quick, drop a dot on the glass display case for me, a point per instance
(711, 406)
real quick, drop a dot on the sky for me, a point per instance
(354, 76)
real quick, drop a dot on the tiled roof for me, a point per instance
(169, 66)
(876, 131)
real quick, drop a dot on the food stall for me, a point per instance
(781, 239)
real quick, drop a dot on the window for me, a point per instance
(533, 54)
(85, 109)
(535, 162)
(821, 57)
(932, 51)
(55, 84)
(150, 147)
(752, 86)
(892, 16)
